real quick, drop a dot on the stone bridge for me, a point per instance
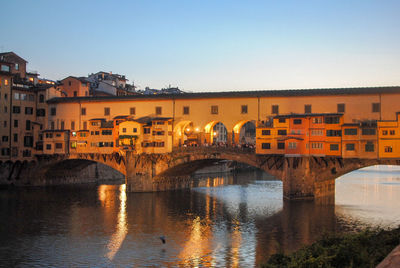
(305, 177)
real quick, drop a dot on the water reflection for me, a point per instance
(235, 220)
(370, 196)
(119, 236)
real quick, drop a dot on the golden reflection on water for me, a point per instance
(119, 236)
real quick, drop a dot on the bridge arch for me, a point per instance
(186, 133)
(216, 132)
(244, 132)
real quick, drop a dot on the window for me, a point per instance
(28, 141)
(69, 83)
(6, 82)
(15, 123)
(132, 111)
(62, 125)
(106, 132)
(282, 120)
(307, 108)
(48, 146)
(16, 66)
(392, 132)
(244, 109)
(282, 132)
(281, 145)
(16, 109)
(333, 133)
(124, 130)
(16, 96)
(146, 130)
(350, 131)
(368, 131)
(388, 149)
(106, 110)
(5, 68)
(341, 108)
(265, 132)
(134, 130)
(158, 133)
(84, 125)
(369, 147)
(15, 137)
(266, 145)
(72, 125)
(83, 111)
(332, 120)
(5, 109)
(28, 110)
(317, 120)
(186, 110)
(317, 145)
(376, 107)
(384, 132)
(75, 93)
(158, 110)
(350, 147)
(292, 145)
(5, 124)
(4, 138)
(22, 96)
(59, 145)
(28, 125)
(297, 121)
(53, 111)
(41, 98)
(334, 147)
(31, 97)
(275, 109)
(52, 125)
(214, 109)
(317, 132)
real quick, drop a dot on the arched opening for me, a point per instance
(244, 133)
(76, 171)
(216, 133)
(186, 133)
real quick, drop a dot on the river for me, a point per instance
(231, 220)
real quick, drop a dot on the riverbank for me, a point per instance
(365, 249)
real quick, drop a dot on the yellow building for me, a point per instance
(202, 111)
(389, 138)
(146, 135)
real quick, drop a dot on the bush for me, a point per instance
(365, 249)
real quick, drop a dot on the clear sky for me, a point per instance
(210, 45)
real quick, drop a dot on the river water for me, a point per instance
(229, 221)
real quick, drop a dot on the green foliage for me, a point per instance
(365, 249)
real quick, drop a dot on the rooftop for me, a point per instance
(240, 94)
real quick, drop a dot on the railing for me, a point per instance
(214, 148)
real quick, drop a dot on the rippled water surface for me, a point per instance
(232, 220)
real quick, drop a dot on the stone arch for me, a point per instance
(216, 131)
(239, 134)
(74, 170)
(186, 133)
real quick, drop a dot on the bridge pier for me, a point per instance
(302, 179)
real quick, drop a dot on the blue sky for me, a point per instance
(210, 45)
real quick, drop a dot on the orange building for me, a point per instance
(301, 134)
(389, 138)
(75, 86)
